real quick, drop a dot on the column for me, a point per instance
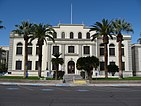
(10, 61)
(49, 57)
(80, 50)
(63, 56)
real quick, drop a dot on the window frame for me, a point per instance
(71, 35)
(79, 35)
(54, 50)
(18, 66)
(86, 50)
(19, 48)
(71, 49)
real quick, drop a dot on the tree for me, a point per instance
(41, 33)
(1, 26)
(56, 61)
(103, 29)
(3, 65)
(139, 40)
(87, 64)
(112, 69)
(25, 29)
(120, 26)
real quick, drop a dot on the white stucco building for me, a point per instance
(73, 41)
(136, 59)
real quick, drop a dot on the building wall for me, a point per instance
(63, 48)
(136, 57)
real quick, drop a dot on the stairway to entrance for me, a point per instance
(70, 78)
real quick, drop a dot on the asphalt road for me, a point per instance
(19, 95)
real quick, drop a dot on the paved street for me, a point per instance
(20, 95)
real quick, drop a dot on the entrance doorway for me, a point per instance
(71, 67)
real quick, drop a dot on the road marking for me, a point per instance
(82, 90)
(12, 88)
(27, 88)
(46, 89)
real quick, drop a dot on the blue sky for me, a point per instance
(12, 12)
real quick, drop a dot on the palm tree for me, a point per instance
(103, 29)
(41, 32)
(56, 61)
(25, 30)
(1, 27)
(139, 40)
(120, 26)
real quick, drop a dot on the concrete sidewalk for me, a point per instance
(75, 83)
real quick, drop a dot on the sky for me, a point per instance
(52, 12)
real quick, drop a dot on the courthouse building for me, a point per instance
(73, 41)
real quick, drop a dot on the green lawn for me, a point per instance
(18, 77)
(21, 77)
(127, 78)
(36, 78)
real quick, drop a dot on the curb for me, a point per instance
(67, 84)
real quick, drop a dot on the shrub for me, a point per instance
(112, 69)
(3, 68)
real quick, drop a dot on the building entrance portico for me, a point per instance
(71, 67)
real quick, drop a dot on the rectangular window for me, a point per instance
(29, 65)
(101, 66)
(55, 49)
(29, 50)
(86, 50)
(19, 51)
(18, 65)
(37, 50)
(53, 67)
(101, 51)
(112, 63)
(70, 49)
(112, 51)
(123, 65)
(36, 65)
(122, 51)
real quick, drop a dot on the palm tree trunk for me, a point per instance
(120, 60)
(89, 75)
(56, 74)
(25, 59)
(40, 61)
(106, 60)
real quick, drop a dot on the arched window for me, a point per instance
(122, 49)
(79, 35)
(55, 35)
(87, 35)
(112, 50)
(63, 35)
(29, 49)
(71, 35)
(101, 49)
(19, 48)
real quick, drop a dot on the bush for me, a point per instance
(112, 69)
(3, 68)
(60, 74)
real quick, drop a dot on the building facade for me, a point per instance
(72, 41)
(4, 54)
(136, 59)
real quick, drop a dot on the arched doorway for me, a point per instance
(71, 67)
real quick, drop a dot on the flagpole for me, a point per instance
(71, 13)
